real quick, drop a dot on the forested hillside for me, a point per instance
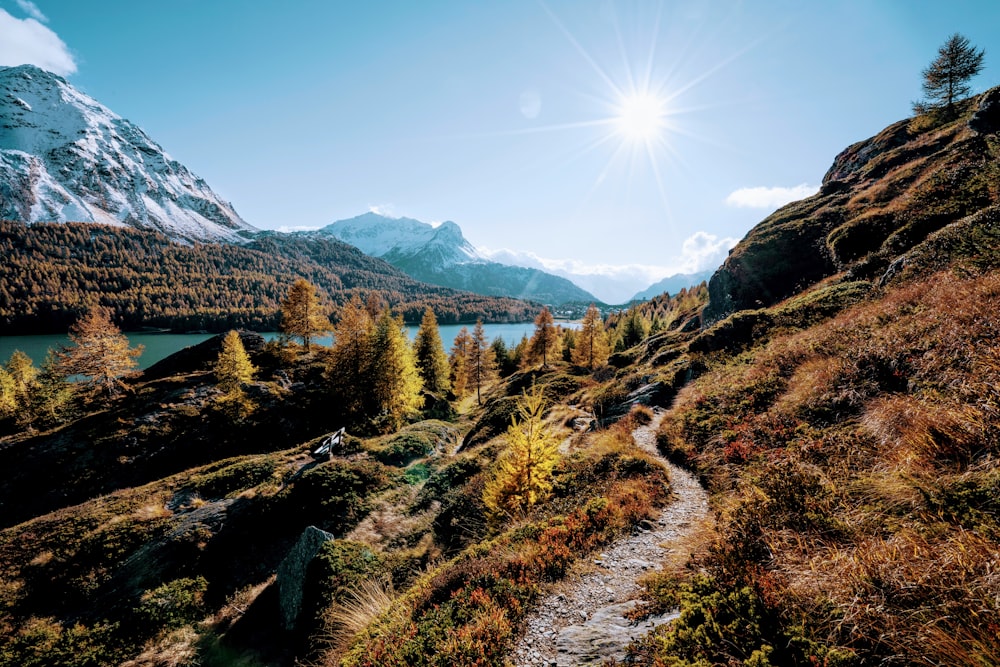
(52, 272)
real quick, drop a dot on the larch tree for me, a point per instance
(350, 358)
(396, 384)
(543, 343)
(301, 313)
(52, 395)
(24, 374)
(523, 475)
(591, 348)
(98, 351)
(233, 368)
(481, 367)
(458, 360)
(432, 362)
(8, 394)
(946, 79)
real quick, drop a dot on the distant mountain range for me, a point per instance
(441, 255)
(66, 157)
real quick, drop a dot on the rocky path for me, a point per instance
(581, 620)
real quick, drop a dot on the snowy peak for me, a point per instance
(66, 157)
(382, 236)
(441, 255)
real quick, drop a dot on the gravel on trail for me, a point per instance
(581, 620)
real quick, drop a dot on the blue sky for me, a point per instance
(501, 116)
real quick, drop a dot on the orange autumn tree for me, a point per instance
(98, 351)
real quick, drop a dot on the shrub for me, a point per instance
(173, 604)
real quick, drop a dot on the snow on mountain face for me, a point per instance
(380, 236)
(66, 157)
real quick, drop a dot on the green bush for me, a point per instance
(173, 604)
(234, 478)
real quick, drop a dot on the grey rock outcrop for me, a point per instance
(292, 573)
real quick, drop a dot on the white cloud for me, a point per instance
(28, 42)
(702, 251)
(288, 229)
(763, 197)
(32, 10)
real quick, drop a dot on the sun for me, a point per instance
(640, 117)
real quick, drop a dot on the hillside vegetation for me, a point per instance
(836, 389)
(53, 272)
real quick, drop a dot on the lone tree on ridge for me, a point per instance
(946, 79)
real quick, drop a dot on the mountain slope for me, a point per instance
(441, 255)
(66, 157)
(881, 197)
(50, 271)
(672, 284)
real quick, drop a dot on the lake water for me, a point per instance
(160, 345)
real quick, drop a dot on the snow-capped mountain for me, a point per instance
(382, 236)
(66, 157)
(441, 255)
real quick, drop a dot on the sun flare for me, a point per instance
(640, 117)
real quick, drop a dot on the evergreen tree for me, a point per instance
(543, 342)
(99, 352)
(350, 358)
(946, 79)
(301, 313)
(591, 341)
(233, 368)
(519, 357)
(396, 384)
(505, 363)
(568, 343)
(459, 362)
(633, 329)
(480, 362)
(431, 359)
(523, 475)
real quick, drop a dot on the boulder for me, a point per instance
(292, 573)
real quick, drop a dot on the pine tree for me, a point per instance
(301, 313)
(591, 341)
(99, 352)
(396, 383)
(431, 359)
(523, 475)
(458, 360)
(946, 79)
(233, 368)
(480, 362)
(543, 342)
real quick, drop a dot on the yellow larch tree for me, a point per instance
(543, 343)
(351, 356)
(592, 347)
(523, 475)
(458, 360)
(480, 362)
(396, 384)
(302, 314)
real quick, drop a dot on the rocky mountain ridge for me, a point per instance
(441, 255)
(66, 157)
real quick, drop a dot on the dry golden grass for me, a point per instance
(178, 648)
(343, 621)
